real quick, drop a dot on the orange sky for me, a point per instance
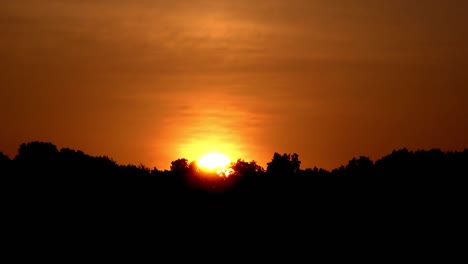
(152, 81)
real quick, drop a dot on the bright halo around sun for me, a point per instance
(215, 161)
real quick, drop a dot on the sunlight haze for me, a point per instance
(148, 82)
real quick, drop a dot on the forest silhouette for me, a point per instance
(405, 190)
(40, 167)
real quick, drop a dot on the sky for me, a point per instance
(148, 82)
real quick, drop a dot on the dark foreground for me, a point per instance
(44, 187)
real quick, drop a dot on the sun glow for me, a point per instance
(215, 161)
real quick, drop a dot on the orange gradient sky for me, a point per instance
(153, 81)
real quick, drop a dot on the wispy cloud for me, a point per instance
(225, 72)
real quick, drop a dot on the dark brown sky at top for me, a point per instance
(152, 81)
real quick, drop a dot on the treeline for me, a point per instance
(400, 195)
(42, 164)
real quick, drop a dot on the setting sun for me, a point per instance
(213, 160)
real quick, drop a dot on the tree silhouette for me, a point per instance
(180, 166)
(40, 168)
(282, 165)
(5, 165)
(247, 176)
(4, 158)
(362, 167)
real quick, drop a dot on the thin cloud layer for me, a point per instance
(157, 80)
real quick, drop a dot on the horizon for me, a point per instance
(234, 161)
(148, 82)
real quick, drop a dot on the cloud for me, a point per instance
(143, 67)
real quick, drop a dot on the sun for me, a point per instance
(213, 161)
